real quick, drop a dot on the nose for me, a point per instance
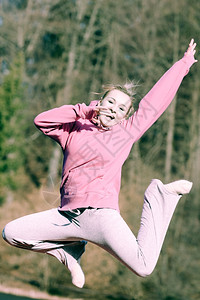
(113, 109)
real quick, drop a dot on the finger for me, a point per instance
(98, 104)
(194, 46)
(105, 111)
(191, 42)
(102, 108)
(98, 107)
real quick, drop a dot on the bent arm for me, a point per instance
(158, 98)
(58, 122)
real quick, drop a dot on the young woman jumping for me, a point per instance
(96, 140)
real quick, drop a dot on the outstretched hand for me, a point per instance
(191, 49)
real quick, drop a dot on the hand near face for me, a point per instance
(101, 109)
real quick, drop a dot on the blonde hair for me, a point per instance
(128, 88)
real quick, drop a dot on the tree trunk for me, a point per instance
(169, 140)
(195, 136)
(54, 165)
(171, 112)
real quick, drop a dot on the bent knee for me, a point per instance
(3, 234)
(7, 233)
(145, 273)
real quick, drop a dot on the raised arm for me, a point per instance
(161, 95)
(57, 122)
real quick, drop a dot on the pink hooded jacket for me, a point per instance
(93, 157)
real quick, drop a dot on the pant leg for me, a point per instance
(104, 227)
(113, 234)
(48, 232)
(159, 206)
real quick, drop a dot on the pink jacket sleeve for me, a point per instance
(158, 98)
(58, 122)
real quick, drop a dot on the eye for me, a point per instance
(110, 101)
(121, 108)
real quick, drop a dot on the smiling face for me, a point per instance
(118, 105)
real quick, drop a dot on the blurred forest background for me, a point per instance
(61, 52)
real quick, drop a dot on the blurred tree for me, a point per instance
(11, 138)
(70, 48)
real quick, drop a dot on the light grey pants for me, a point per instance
(63, 234)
